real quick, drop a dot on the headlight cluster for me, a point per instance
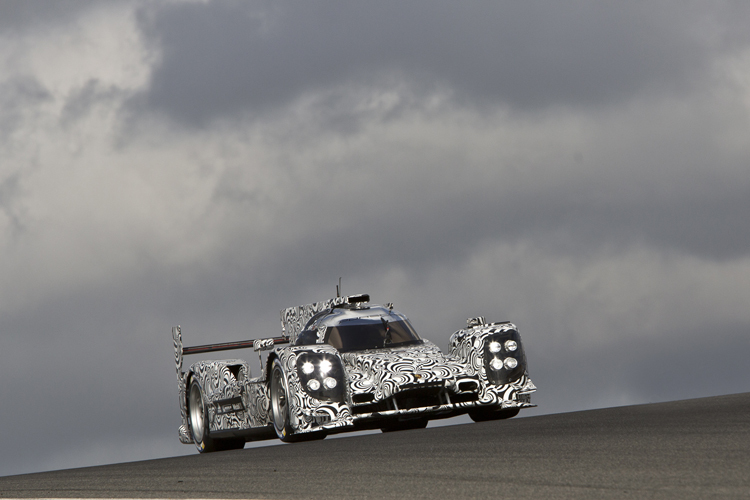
(504, 360)
(321, 375)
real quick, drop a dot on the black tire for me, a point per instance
(416, 423)
(485, 414)
(198, 420)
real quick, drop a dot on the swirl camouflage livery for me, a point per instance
(345, 364)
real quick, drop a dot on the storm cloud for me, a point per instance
(529, 57)
(579, 168)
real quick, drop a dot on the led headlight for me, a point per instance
(321, 375)
(496, 364)
(325, 366)
(313, 384)
(503, 357)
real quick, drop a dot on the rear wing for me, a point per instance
(294, 319)
(256, 344)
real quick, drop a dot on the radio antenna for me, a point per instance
(338, 288)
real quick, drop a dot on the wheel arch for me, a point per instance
(269, 365)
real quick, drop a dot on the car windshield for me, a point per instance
(359, 335)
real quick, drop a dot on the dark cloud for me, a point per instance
(222, 57)
(635, 367)
(401, 220)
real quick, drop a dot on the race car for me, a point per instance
(345, 364)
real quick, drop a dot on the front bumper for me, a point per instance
(430, 401)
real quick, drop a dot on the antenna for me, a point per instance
(338, 288)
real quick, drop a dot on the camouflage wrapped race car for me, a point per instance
(345, 364)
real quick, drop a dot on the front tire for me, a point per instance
(486, 414)
(280, 403)
(198, 419)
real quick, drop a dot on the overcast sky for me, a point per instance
(581, 168)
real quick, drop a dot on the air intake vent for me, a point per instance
(420, 398)
(468, 386)
(361, 297)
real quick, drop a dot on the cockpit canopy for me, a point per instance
(358, 329)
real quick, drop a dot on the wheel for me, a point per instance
(280, 403)
(198, 419)
(280, 409)
(416, 423)
(485, 414)
(199, 425)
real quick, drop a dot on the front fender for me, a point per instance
(470, 346)
(306, 413)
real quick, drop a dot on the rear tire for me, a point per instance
(486, 414)
(198, 420)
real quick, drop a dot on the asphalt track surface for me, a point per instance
(697, 448)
